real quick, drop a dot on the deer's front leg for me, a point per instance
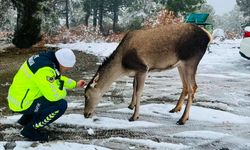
(133, 101)
(140, 79)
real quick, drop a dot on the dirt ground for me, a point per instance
(12, 58)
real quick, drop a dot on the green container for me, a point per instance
(199, 19)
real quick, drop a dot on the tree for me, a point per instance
(230, 22)
(205, 8)
(50, 22)
(244, 7)
(115, 9)
(101, 13)
(100, 9)
(7, 15)
(95, 8)
(28, 25)
(91, 7)
(137, 12)
(183, 6)
(67, 13)
(87, 9)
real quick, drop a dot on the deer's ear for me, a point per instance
(96, 77)
(94, 83)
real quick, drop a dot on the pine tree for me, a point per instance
(28, 26)
(205, 8)
(183, 6)
(7, 15)
(244, 7)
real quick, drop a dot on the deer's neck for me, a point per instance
(108, 74)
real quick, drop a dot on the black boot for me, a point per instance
(25, 119)
(34, 134)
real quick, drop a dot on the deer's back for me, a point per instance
(161, 48)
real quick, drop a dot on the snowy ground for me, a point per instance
(219, 118)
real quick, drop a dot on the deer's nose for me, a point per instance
(87, 115)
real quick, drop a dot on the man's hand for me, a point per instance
(80, 84)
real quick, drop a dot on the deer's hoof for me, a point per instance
(133, 119)
(131, 107)
(174, 110)
(180, 122)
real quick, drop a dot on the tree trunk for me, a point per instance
(95, 17)
(115, 19)
(28, 26)
(67, 13)
(101, 17)
(87, 8)
(86, 20)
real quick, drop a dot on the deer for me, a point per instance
(151, 50)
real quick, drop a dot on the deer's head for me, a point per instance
(92, 97)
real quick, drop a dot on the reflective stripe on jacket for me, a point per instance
(34, 80)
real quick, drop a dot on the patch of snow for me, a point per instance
(2, 145)
(207, 135)
(97, 122)
(215, 76)
(196, 113)
(220, 106)
(90, 131)
(151, 144)
(239, 141)
(59, 145)
(9, 119)
(10, 130)
(101, 49)
(105, 104)
(103, 122)
(218, 35)
(75, 105)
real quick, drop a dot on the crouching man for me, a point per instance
(38, 91)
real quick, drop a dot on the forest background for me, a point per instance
(28, 22)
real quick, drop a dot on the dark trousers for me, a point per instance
(45, 112)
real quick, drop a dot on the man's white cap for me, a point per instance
(66, 57)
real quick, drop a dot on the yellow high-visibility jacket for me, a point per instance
(38, 76)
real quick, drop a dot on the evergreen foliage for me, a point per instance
(245, 8)
(29, 19)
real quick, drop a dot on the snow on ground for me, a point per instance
(200, 134)
(196, 113)
(224, 70)
(95, 122)
(152, 144)
(101, 49)
(80, 104)
(228, 75)
(103, 122)
(59, 145)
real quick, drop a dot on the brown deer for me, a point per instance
(143, 51)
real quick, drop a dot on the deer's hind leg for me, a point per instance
(184, 92)
(140, 79)
(133, 101)
(190, 71)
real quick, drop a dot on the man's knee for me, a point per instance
(63, 105)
